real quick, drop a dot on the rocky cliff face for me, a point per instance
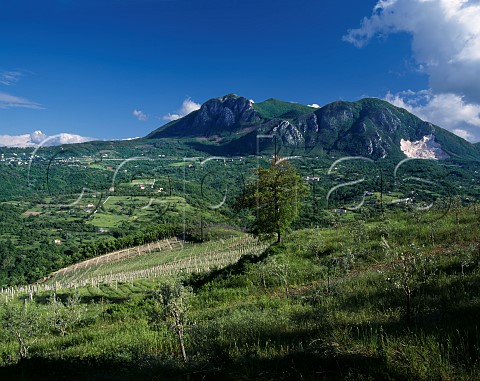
(225, 112)
(216, 116)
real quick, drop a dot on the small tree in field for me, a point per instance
(275, 198)
(63, 317)
(172, 307)
(409, 270)
(21, 323)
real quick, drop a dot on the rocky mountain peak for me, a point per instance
(226, 111)
(215, 117)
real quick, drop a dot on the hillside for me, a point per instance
(277, 109)
(327, 302)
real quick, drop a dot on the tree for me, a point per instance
(21, 323)
(275, 198)
(172, 300)
(281, 271)
(63, 317)
(409, 270)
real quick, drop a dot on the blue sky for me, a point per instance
(114, 69)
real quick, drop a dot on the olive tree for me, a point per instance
(64, 316)
(22, 323)
(172, 307)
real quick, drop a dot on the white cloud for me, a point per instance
(445, 39)
(38, 138)
(9, 78)
(314, 105)
(65, 138)
(446, 46)
(139, 115)
(10, 101)
(188, 106)
(463, 134)
(171, 117)
(15, 141)
(450, 111)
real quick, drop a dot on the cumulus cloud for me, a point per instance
(11, 101)
(139, 115)
(38, 138)
(188, 106)
(445, 110)
(446, 46)
(314, 105)
(463, 134)
(16, 141)
(9, 78)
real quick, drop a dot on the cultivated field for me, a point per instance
(154, 260)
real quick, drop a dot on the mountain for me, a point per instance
(368, 127)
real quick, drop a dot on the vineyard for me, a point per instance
(165, 258)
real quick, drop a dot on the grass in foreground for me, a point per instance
(324, 305)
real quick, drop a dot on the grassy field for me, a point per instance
(118, 209)
(396, 298)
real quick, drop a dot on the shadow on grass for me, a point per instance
(306, 365)
(237, 268)
(84, 299)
